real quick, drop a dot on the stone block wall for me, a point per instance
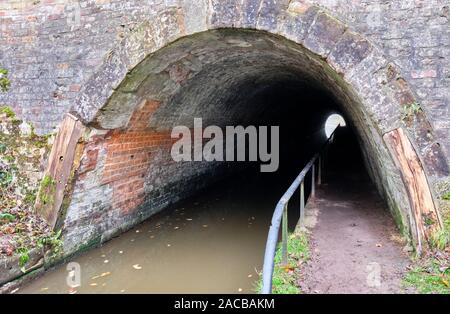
(52, 47)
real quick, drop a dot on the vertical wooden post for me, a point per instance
(425, 214)
(57, 174)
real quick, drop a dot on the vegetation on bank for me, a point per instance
(431, 274)
(285, 277)
(22, 158)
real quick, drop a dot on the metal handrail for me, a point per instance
(280, 215)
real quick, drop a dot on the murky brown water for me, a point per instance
(211, 243)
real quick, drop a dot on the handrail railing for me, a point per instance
(280, 215)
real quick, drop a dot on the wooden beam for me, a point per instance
(59, 168)
(425, 214)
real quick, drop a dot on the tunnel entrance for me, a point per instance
(213, 241)
(121, 172)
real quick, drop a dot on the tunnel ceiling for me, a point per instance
(221, 76)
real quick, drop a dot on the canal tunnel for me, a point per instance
(124, 171)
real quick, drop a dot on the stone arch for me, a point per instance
(356, 72)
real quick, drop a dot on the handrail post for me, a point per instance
(302, 202)
(313, 181)
(319, 171)
(285, 236)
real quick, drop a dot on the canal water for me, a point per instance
(210, 243)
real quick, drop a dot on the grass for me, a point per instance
(285, 277)
(446, 197)
(429, 279)
(433, 274)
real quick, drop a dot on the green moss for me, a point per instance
(6, 178)
(428, 221)
(399, 220)
(52, 242)
(4, 81)
(8, 111)
(30, 198)
(446, 197)
(7, 217)
(24, 256)
(411, 110)
(47, 190)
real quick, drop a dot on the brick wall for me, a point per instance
(127, 175)
(50, 55)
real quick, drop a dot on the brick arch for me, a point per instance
(357, 72)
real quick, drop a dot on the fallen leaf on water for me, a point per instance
(189, 219)
(168, 245)
(44, 289)
(72, 291)
(106, 261)
(95, 277)
(94, 284)
(250, 276)
(151, 237)
(240, 289)
(122, 291)
(137, 231)
(176, 228)
(105, 274)
(15, 290)
(120, 252)
(205, 226)
(103, 255)
(137, 266)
